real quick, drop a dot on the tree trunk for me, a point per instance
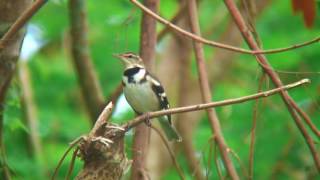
(10, 10)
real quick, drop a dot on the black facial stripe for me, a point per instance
(131, 72)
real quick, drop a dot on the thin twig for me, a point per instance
(209, 159)
(243, 167)
(132, 123)
(253, 129)
(306, 118)
(173, 20)
(217, 44)
(171, 153)
(71, 166)
(179, 14)
(206, 91)
(216, 161)
(20, 22)
(72, 145)
(262, 60)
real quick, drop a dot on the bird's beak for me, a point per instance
(117, 56)
(122, 59)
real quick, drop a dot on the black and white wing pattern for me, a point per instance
(161, 95)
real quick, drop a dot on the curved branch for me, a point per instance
(263, 61)
(217, 44)
(20, 22)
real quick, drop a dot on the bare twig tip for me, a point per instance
(303, 81)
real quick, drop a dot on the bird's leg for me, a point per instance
(147, 121)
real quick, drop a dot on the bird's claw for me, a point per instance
(103, 140)
(115, 127)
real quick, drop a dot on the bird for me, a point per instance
(144, 92)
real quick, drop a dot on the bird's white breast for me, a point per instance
(141, 97)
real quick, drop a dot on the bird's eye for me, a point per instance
(130, 56)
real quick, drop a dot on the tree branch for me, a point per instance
(217, 44)
(132, 123)
(148, 40)
(206, 91)
(103, 155)
(173, 158)
(262, 60)
(95, 162)
(90, 87)
(10, 11)
(20, 22)
(253, 129)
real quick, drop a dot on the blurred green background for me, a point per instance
(114, 27)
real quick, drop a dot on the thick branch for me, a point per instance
(20, 22)
(132, 123)
(91, 90)
(10, 11)
(30, 109)
(217, 44)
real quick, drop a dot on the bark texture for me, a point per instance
(10, 10)
(102, 162)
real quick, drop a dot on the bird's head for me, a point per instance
(130, 59)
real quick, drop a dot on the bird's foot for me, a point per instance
(115, 127)
(103, 140)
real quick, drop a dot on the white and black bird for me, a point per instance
(144, 92)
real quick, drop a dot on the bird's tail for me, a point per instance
(169, 129)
